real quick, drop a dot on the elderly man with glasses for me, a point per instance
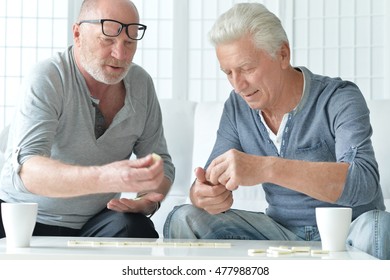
(84, 113)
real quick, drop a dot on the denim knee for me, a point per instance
(370, 232)
(176, 218)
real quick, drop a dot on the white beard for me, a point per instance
(94, 67)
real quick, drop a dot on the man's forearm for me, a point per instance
(321, 180)
(48, 177)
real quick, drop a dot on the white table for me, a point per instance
(57, 248)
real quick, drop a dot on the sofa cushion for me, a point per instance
(178, 122)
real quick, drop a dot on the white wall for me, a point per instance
(346, 38)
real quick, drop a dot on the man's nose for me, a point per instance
(238, 82)
(119, 50)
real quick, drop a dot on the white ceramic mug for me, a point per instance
(19, 221)
(333, 224)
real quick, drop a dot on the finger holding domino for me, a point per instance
(155, 157)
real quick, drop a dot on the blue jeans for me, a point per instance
(370, 232)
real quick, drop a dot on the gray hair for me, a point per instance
(250, 18)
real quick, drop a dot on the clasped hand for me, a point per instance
(212, 189)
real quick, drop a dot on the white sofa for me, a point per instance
(190, 130)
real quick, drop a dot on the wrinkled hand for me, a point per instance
(140, 175)
(235, 168)
(212, 198)
(145, 204)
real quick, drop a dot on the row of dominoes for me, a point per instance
(80, 243)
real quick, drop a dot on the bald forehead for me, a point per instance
(122, 10)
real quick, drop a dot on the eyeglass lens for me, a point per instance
(112, 28)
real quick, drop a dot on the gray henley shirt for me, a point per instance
(56, 119)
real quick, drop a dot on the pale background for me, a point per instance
(345, 38)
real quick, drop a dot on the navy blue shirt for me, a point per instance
(330, 124)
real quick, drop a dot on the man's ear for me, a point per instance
(76, 33)
(284, 55)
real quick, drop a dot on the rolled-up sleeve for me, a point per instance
(353, 145)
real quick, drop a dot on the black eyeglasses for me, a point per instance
(112, 28)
